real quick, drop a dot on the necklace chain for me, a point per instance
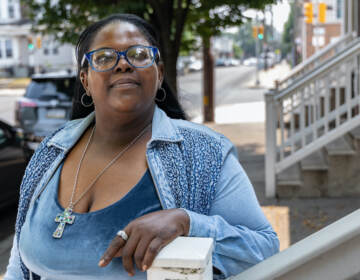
(72, 204)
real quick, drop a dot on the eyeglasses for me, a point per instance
(106, 59)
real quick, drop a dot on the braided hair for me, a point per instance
(170, 104)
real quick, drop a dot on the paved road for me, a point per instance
(230, 87)
(7, 105)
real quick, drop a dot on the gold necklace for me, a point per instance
(66, 217)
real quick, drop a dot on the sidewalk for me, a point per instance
(267, 78)
(14, 83)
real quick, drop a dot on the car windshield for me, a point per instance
(39, 88)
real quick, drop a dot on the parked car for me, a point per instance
(251, 61)
(196, 65)
(234, 62)
(222, 61)
(46, 105)
(12, 165)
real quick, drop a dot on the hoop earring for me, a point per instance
(163, 97)
(83, 103)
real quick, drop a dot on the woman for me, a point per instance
(104, 194)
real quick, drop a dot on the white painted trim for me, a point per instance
(353, 49)
(335, 250)
(300, 67)
(317, 144)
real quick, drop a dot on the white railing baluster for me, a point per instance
(270, 159)
(348, 82)
(314, 109)
(357, 93)
(292, 124)
(302, 118)
(337, 96)
(326, 102)
(282, 129)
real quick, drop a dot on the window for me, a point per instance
(11, 11)
(46, 51)
(339, 6)
(55, 51)
(8, 48)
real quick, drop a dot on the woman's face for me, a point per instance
(125, 89)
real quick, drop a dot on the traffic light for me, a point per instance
(30, 44)
(322, 12)
(38, 42)
(308, 12)
(261, 32)
(255, 31)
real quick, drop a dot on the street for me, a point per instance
(7, 106)
(231, 87)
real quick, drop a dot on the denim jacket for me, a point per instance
(193, 168)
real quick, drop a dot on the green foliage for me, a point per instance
(287, 36)
(246, 40)
(178, 21)
(238, 52)
(65, 19)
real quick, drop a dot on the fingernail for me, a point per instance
(144, 267)
(131, 274)
(101, 262)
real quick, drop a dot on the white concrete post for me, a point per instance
(185, 258)
(270, 139)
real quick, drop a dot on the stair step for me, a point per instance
(290, 176)
(356, 133)
(341, 146)
(315, 161)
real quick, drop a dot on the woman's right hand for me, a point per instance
(147, 235)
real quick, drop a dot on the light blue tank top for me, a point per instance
(76, 254)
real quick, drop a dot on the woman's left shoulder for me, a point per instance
(200, 133)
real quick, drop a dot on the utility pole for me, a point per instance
(257, 52)
(315, 29)
(293, 49)
(265, 44)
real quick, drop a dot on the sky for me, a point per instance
(281, 12)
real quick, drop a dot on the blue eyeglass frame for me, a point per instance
(89, 55)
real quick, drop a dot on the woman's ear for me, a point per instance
(161, 70)
(84, 80)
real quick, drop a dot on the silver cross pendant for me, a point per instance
(63, 219)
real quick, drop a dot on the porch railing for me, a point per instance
(332, 253)
(319, 57)
(312, 112)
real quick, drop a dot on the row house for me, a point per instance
(22, 52)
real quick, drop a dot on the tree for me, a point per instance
(287, 37)
(67, 18)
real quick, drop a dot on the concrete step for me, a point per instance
(356, 133)
(315, 161)
(342, 146)
(290, 176)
